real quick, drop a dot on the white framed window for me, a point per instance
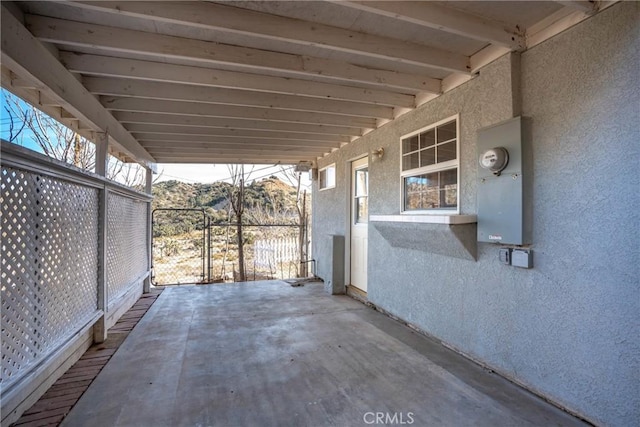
(327, 177)
(429, 169)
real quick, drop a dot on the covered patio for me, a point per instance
(269, 354)
(390, 106)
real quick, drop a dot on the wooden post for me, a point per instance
(208, 249)
(148, 187)
(100, 328)
(303, 237)
(239, 212)
(102, 148)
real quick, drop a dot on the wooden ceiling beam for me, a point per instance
(212, 95)
(237, 133)
(112, 39)
(146, 139)
(26, 56)
(212, 16)
(213, 110)
(235, 152)
(127, 117)
(585, 6)
(276, 158)
(106, 66)
(277, 145)
(443, 18)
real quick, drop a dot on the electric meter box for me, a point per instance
(501, 184)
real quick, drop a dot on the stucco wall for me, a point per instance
(568, 328)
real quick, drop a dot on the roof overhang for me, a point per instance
(254, 82)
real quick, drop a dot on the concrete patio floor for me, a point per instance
(268, 354)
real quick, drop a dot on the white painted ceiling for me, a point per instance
(271, 81)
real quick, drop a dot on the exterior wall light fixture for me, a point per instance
(377, 154)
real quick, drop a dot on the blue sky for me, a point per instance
(191, 173)
(5, 123)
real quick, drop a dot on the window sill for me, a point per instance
(449, 235)
(451, 219)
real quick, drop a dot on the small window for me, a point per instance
(361, 196)
(430, 168)
(327, 177)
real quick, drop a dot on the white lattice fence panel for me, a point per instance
(49, 255)
(127, 247)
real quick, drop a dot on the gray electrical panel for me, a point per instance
(501, 182)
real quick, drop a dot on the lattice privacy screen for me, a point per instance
(49, 253)
(127, 258)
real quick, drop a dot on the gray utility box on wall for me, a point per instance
(501, 183)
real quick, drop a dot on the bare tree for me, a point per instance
(27, 123)
(54, 139)
(295, 180)
(13, 132)
(236, 201)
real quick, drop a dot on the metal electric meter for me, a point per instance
(500, 184)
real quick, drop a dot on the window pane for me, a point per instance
(431, 200)
(447, 132)
(431, 190)
(428, 138)
(327, 177)
(362, 182)
(331, 176)
(438, 190)
(449, 183)
(428, 157)
(431, 181)
(449, 177)
(410, 144)
(412, 194)
(450, 196)
(415, 183)
(362, 209)
(447, 152)
(411, 161)
(412, 202)
(422, 182)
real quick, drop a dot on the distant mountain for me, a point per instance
(265, 200)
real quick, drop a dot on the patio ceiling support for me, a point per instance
(208, 141)
(146, 284)
(558, 22)
(216, 155)
(444, 18)
(105, 66)
(100, 328)
(589, 7)
(162, 46)
(102, 148)
(240, 158)
(212, 95)
(177, 122)
(25, 55)
(178, 141)
(231, 19)
(143, 132)
(232, 111)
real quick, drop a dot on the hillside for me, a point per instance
(265, 200)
